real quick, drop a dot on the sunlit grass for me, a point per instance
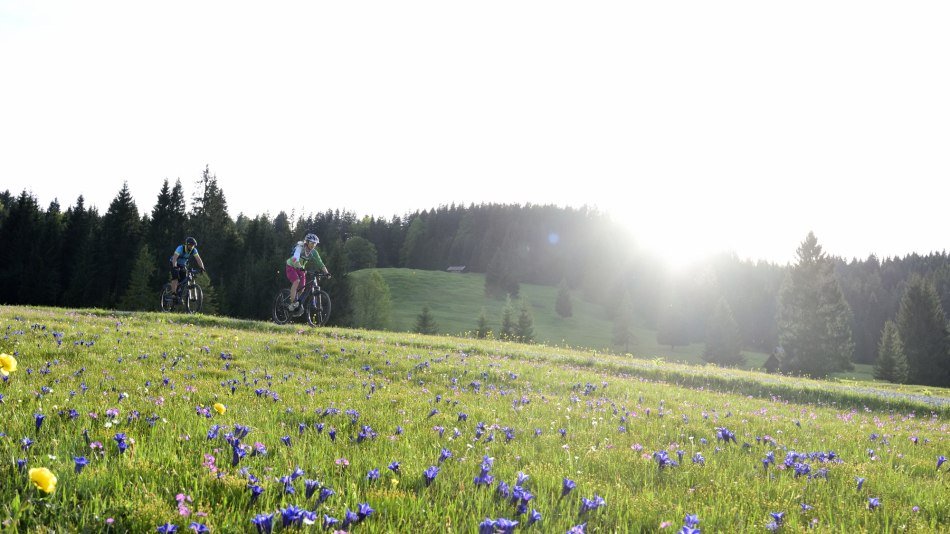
(615, 413)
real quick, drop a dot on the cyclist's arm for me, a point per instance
(174, 259)
(318, 262)
(201, 264)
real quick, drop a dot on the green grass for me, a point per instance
(161, 372)
(456, 301)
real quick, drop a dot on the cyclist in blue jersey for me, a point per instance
(304, 252)
(179, 261)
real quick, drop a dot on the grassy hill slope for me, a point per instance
(456, 300)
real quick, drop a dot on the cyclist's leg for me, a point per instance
(178, 276)
(294, 276)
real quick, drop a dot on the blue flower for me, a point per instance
(325, 494)
(373, 474)
(292, 515)
(691, 520)
(444, 455)
(807, 507)
(698, 459)
(505, 526)
(394, 467)
(286, 440)
(364, 510)
(430, 474)
(778, 517)
(311, 487)
(38, 418)
(199, 528)
(860, 482)
(26, 443)
(81, 462)
(264, 523)
(567, 486)
(940, 461)
(578, 529)
(167, 528)
(534, 517)
(487, 527)
(873, 503)
(255, 492)
(329, 521)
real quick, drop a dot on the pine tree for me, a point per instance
(360, 254)
(891, 363)
(922, 327)
(166, 228)
(425, 323)
(814, 319)
(723, 342)
(79, 249)
(483, 331)
(216, 233)
(141, 294)
(210, 301)
(623, 334)
(524, 328)
(507, 329)
(672, 329)
(118, 248)
(19, 249)
(372, 305)
(563, 305)
(500, 279)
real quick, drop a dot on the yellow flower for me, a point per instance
(7, 364)
(218, 407)
(43, 479)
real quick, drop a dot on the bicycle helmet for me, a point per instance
(312, 238)
(191, 241)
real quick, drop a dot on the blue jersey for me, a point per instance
(184, 256)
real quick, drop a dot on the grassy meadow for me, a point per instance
(205, 424)
(456, 301)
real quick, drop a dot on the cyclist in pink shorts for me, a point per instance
(304, 252)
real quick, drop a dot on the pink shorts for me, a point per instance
(294, 274)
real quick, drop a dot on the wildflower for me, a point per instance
(7, 364)
(38, 419)
(691, 520)
(120, 440)
(940, 461)
(264, 523)
(220, 408)
(873, 503)
(43, 479)
(578, 529)
(311, 487)
(567, 486)
(487, 526)
(534, 517)
(394, 467)
(506, 526)
(325, 494)
(167, 528)
(21, 464)
(591, 504)
(807, 507)
(444, 455)
(26, 443)
(349, 518)
(81, 462)
(698, 459)
(292, 515)
(373, 474)
(199, 528)
(332, 434)
(329, 521)
(286, 440)
(860, 482)
(342, 462)
(255, 492)
(430, 474)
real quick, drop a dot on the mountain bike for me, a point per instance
(189, 294)
(314, 303)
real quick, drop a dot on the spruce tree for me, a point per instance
(524, 328)
(891, 363)
(141, 294)
(483, 331)
(814, 320)
(425, 323)
(118, 248)
(372, 304)
(922, 327)
(507, 330)
(623, 333)
(673, 329)
(563, 305)
(723, 342)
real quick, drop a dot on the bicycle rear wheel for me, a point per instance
(167, 298)
(280, 314)
(318, 309)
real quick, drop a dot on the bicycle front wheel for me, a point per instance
(194, 299)
(318, 309)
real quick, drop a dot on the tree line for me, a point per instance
(118, 259)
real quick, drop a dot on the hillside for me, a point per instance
(147, 422)
(456, 300)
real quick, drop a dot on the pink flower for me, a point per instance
(665, 524)
(343, 462)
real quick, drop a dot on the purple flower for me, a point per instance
(373, 474)
(255, 492)
(21, 464)
(534, 517)
(264, 523)
(940, 461)
(430, 474)
(578, 529)
(860, 482)
(311, 487)
(81, 462)
(26, 443)
(698, 459)
(394, 467)
(328, 521)
(199, 528)
(444, 455)
(778, 517)
(505, 526)
(591, 504)
(167, 528)
(873, 503)
(691, 520)
(349, 518)
(487, 526)
(325, 494)
(286, 440)
(38, 418)
(567, 486)
(332, 434)
(292, 515)
(807, 507)
(364, 510)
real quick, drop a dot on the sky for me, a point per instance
(700, 126)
